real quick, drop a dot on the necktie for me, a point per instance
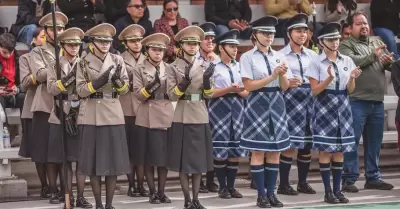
(301, 68)
(267, 63)
(337, 82)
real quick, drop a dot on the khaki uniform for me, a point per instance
(128, 101)
(54, 90)
(152, 113)
(188, 112)
(27, 84)
(99, 112)
(44, 60)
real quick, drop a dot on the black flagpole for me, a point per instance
(314, 14)
(61, 105)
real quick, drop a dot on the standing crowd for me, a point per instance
(271, 106)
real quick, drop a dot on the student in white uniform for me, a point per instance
(298, 102)
(332, 77)
(265, 131)
(226, 110)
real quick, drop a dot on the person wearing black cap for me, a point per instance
(226, 110)
(298, 102)
(190, 83)
(332, 78)
(207, 54)
(265, 133)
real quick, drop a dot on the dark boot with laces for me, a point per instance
(197, 205)
(263, 202)
(305, 188)
(273, 200)
(82, 202)
(331, 198)
(287, 190)
(340, 196)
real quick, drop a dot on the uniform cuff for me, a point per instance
(61, 86)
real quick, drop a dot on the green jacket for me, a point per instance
(371, 83)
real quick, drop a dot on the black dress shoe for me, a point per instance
(130, 191)
(61, 197)
(273, 200)
(153, 199)
(109, 207)
(379, 185)
(253, 185)
(305, 188)
(287, 190)
(54, 198)
(224, 194)
(44, 193)
(163, 198)
(349, 188)
(203, 188)
(82, 202)
(212, 187)
(142, 191)
(197, 205)
(71, 203)
(99, 207)
(188, 204)
(331, 198)
(340, 196)
(234, 193)
(263, 202)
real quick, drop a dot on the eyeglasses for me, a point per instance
(175, 9)
(138, 6)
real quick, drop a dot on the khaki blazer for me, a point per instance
(27, 85)
(43, 60)
(105, 111)
(188, 112)
(53, 89)
(152, 113)
(128, 101)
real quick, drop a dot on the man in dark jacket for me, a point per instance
(29, 13)
(117, 9)
(229, 14)
(80, 13)
(386, 22)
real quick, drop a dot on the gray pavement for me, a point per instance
(211, 201)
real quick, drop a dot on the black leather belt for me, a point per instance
(100, 95)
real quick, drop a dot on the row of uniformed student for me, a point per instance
(69, 42)
(101, 76)
(226, 112)
(132, 36)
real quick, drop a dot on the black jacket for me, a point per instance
(117, 9)
(221, 12)
(80, 13)
(27, 14)
(385, 14)
(395, 73)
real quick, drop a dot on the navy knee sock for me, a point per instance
(303, 165)
(337, 168)
(257, 173)
(220, 170)
(231, 171)
(285, 164)
(325, 171)
(271, 175)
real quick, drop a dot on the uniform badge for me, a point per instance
(278, 61)
(345, 68)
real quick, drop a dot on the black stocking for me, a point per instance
(149, 171)
(210, 177)
(80, 182)
(196, 178)
(61, 176)
(52, 172)
(111, 182)
(140, 174)
(162, 173)
(69, 177)
(184, 179)
(95, 181)
(41, 171)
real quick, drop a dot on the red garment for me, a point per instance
(8, 70)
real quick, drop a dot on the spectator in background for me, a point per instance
(9, 72)
(366, 102)
(285, 9)
(396, 85)
(135, 15)
(309, 44)
(38, 38)
(28, 16)
(346, 31)
(339, 10)
(229, 14)
(386, 22)
(170, 23)
(80, 13)
(117, 9)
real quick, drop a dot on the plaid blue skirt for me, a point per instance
(226, 121)
(299, 109)
(265, 123)
(332, 124)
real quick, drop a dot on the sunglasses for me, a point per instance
(175, 9)
(138, 6)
